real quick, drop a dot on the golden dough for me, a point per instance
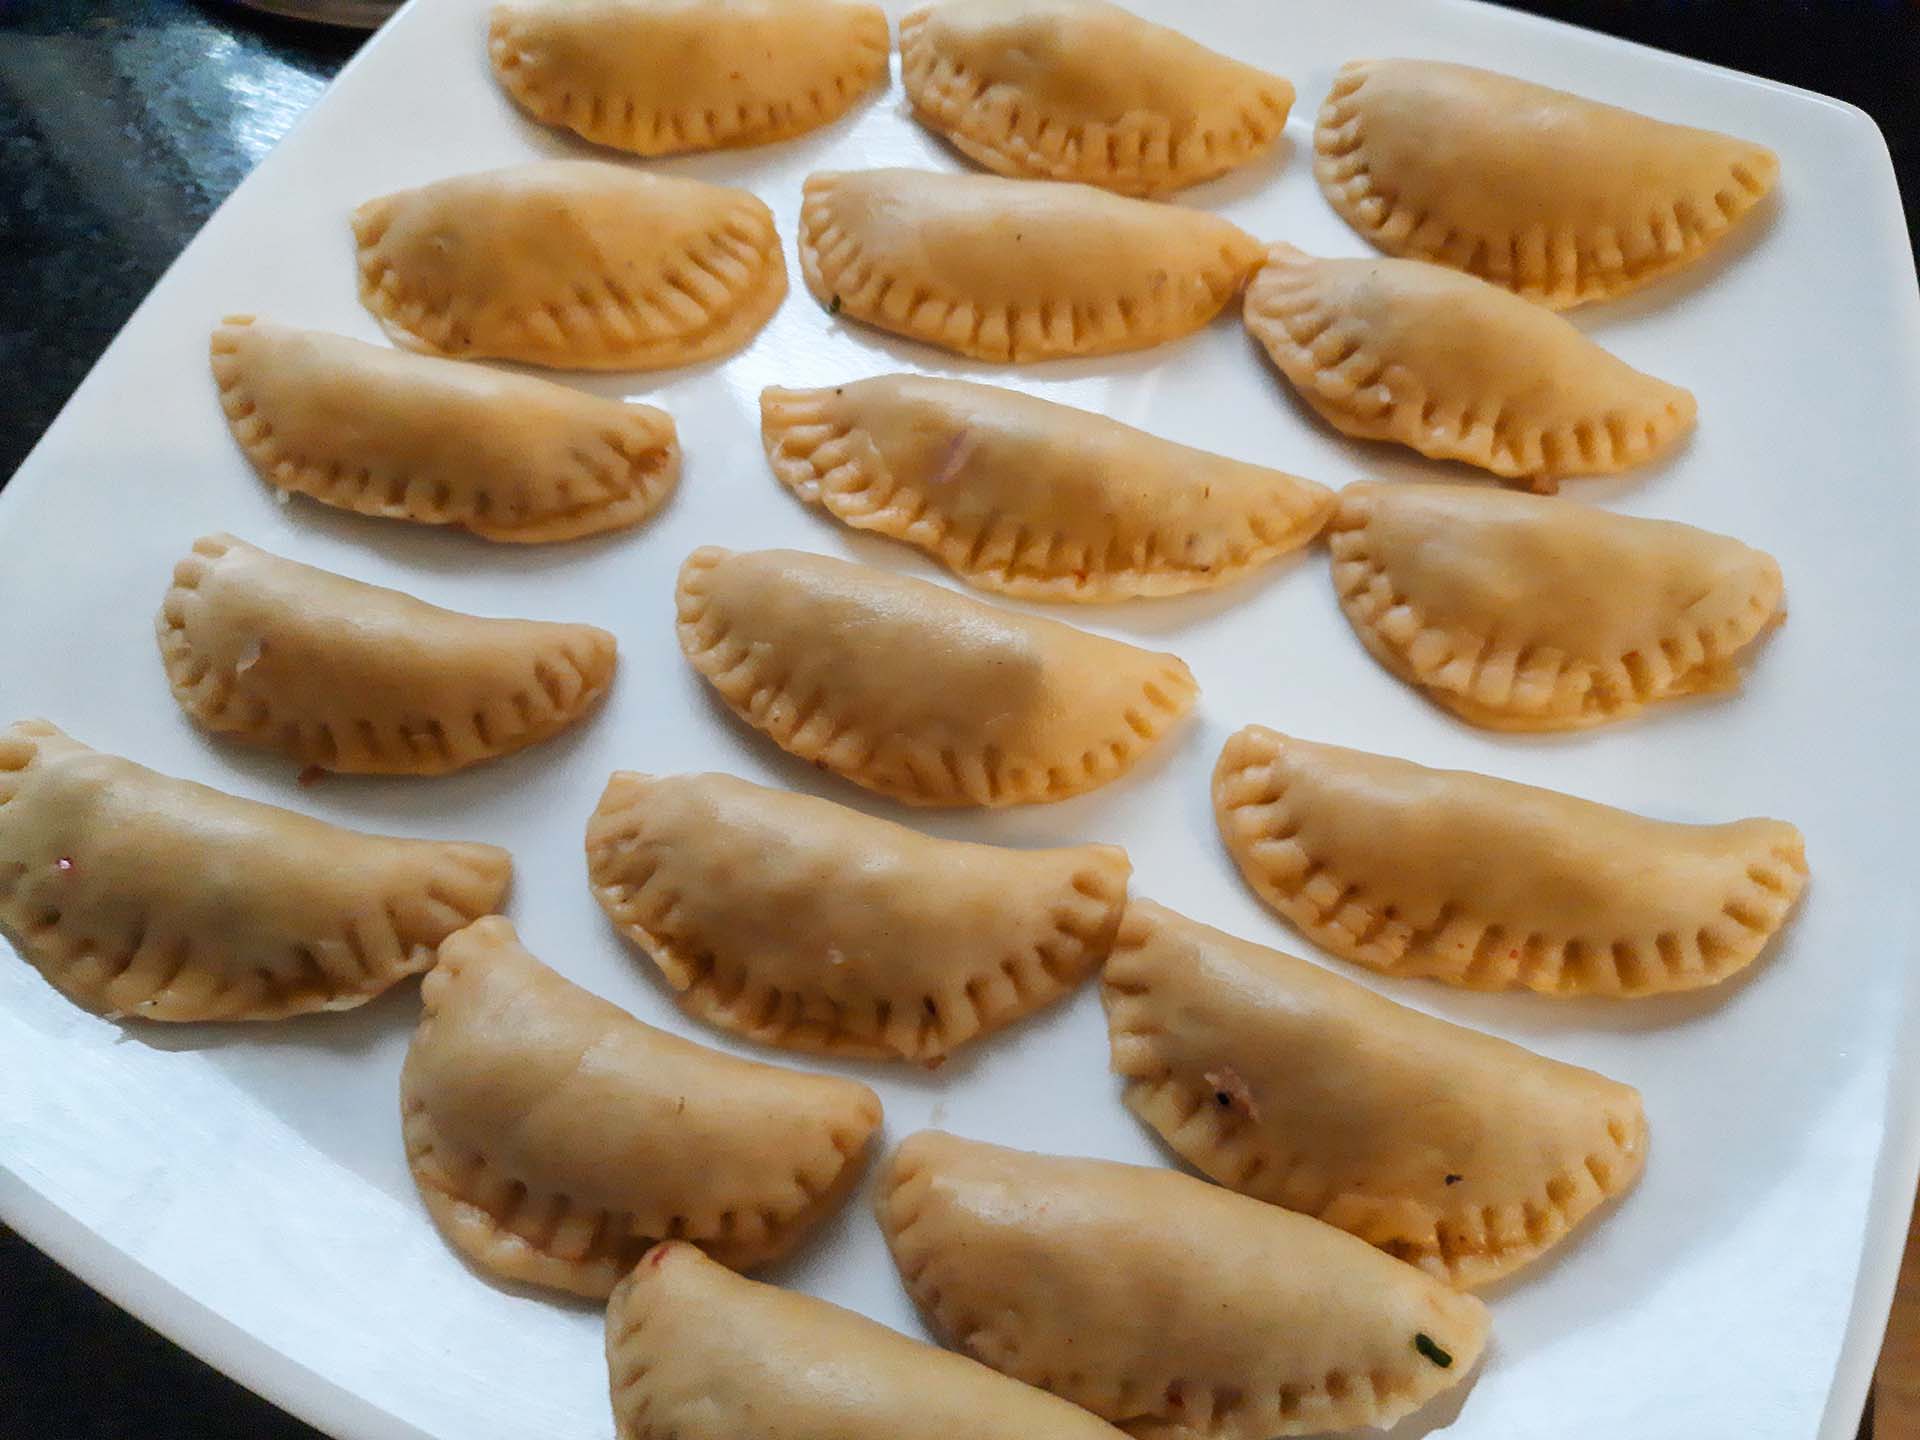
(414, 437)
(1520, 613)
(346, 676)
(1030, 498)
(915, 691)
(137, 894)
(574, 264)
(661, 76)
(1457, 369)
(1083, 90)
(1561, 199)
(801, 923)
(1177, 1309)
(1452, 1150)
(555, 1138)
(1014, 269)
(1492, 885)
(696, 1352)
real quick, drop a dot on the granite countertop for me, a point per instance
(124, 123)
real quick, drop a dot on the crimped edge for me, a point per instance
(505, 1224)
(1142, 153)
(1546, 688)
(1473, 952)
(165, 975)
(1370, 396)
(563, 684)
(810, 728)
(1338, 1400)
(843, 277)
(637, 470)
(625, 874)
(838, 467)
(623, 122)
(1560, 270)
(561, 332)
(1463, 1247)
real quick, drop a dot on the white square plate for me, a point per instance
(243, 1188)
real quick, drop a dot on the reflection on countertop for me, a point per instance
(123, 124)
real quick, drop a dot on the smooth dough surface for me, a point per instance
(661, 76)
(1522, 613)
(555, 1138)
(1083, 90)
(696, 1352)
(137, 894)
(346, 676)
(1175, 1308)
(1450, 1149)
(573, 264)
(439, 442)
(1492, 885)
(1457, 369)
(916, 691)
(1015, 270)
(805, 924)
(1560, 198)
(1030, 498)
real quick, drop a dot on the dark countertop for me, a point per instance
(124, 123)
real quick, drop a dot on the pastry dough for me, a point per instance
(1492, 885)
(346, 676)
(696, 1352)
(1457, 369)
(137, 894)
(1030, 498)
(1562, 199)
(575, 264)
(1462, 1154)
(1520, 613)
(660, 76)
(412, 437)
(1015, 269)
(554, 1137)
(1177, 1309)
(917, 692)
(1083, 90)
(802, 923)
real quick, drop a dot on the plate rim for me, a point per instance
(337, 1411)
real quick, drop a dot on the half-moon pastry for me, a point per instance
(414, 437)
(918, 692)
(1177, 1309)
(1015, 270)
(660, 76)
(347, 676)
(1560, 198)
(801, 923)
(1452, 1150)
(1457, 369)
(1522, 613)
(1492, 885)
(575, 264)
(138, 894)
(555, 1138)
(1029, 498)
(1083, 90)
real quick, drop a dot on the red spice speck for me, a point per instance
(1174, 1397)
(659, 1255)
(1513, 954)
(312, 776)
